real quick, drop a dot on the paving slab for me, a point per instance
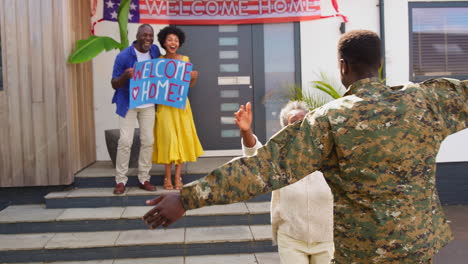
(258, 207)
(227, 209)
(106, 168)
(224, 259)
(28, 213)
(137, 191)
(206, 165)
(24, 242)
(100, 164)
(98, 261)
(93, 192)
(158, 169)
(218, 234)
(30, 263)
(268, 258)
(151, 237)
(92, 172)
(104, 213)
(57, 195)
(135, 212)
(458, 220)
(171, 260)
(83, 240)
(261, 232)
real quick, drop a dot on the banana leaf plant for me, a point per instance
(87, 49)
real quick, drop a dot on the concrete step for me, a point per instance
(102, 173)
(144, 243)
(109, 181)
(104, 197)
(22, 219)
(254, 258)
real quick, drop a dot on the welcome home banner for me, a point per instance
(160, 81)
(213, 12)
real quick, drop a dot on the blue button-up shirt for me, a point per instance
(126, 59)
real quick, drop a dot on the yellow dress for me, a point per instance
(175, 135)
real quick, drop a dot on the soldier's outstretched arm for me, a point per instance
(294, 152)
(448, 100)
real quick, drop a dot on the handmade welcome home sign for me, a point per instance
(160, 81)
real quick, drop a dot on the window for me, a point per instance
(438, 40)
(280, 70)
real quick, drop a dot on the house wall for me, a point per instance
(47, 124)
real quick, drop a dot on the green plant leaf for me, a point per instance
(87, 49)
(295, 92)
(381, 75)
(122, 17)
(327, 88)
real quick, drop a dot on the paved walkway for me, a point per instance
(457, 251)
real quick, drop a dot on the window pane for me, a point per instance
(229, 94)
(229, 67)
(439, 41)
(230, 107)
(228, 28)
(230, 133)
(228, 54)
(227, 120)
(228, 41)
(279, 77)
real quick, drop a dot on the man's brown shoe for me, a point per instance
(147, 186)
(119, 188)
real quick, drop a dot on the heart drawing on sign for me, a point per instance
(135, 92)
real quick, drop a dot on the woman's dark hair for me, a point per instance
(162, 35)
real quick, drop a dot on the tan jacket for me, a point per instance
(303, 210)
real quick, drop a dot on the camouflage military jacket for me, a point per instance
(376, 147)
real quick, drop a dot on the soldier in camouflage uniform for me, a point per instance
(376, 147)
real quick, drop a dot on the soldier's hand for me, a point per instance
(244, 117)
(168, 209)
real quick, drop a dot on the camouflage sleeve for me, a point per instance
(448, 99)
(294, 152)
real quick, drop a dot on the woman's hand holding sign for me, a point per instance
(193, 77)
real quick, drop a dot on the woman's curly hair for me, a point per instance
(162, 35)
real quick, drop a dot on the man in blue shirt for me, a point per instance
(142, 49)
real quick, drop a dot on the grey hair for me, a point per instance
(291, 106)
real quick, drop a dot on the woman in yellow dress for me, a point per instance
(176, 139)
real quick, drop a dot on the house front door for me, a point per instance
(223, 57)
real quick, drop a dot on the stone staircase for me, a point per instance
(89, 224)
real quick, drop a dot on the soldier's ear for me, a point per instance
(344, 66)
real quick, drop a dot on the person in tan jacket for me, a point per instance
(301, 213)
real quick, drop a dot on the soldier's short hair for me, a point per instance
(291, 106)
(360, 47)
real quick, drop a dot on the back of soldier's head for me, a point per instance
(361, 48)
